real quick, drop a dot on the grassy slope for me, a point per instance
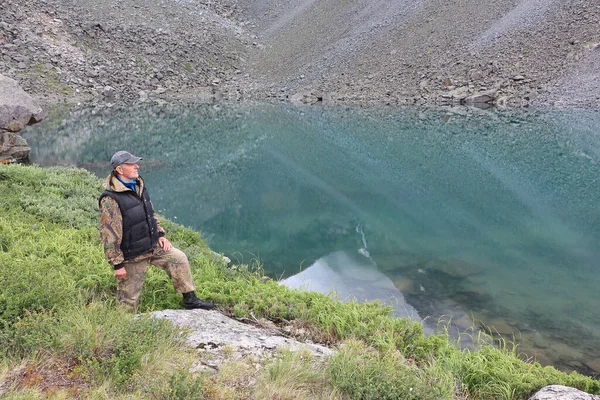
(63, 336)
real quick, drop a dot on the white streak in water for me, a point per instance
(364, 250)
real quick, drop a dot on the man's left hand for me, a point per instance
(164, 243)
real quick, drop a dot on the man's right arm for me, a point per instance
(111, 231)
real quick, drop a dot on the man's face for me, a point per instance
(128, 172)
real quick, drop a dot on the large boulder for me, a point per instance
(559, 392)
(13, 148)
(17, 109)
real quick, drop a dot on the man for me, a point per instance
(133, 237)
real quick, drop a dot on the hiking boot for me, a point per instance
(191, 302)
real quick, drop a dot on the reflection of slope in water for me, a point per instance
(351, 278)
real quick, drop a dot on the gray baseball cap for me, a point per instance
(123, 157)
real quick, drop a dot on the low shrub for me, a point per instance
(100, 342)
(180, 385)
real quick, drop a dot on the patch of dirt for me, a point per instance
(50, 377)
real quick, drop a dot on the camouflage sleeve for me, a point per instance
(111, 230)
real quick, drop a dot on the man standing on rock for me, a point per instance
(134, 239)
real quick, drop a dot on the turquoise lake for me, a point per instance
(471, 216)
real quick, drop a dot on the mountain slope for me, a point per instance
(419, 51)
(516, 52)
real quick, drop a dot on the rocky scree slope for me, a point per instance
(515, 52)
(127, 51)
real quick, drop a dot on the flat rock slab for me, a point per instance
(211, 329)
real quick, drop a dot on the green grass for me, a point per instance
(294, 375)
(365, 373)
(58, 313)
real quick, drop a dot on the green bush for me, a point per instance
(64, 196)
(47, 266)
(101, 341)
(181, 385)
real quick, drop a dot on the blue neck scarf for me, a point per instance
(130, 185)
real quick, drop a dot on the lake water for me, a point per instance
(485, 217)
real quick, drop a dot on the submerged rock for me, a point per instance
(454, 268)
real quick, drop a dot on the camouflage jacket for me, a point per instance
(111, 221)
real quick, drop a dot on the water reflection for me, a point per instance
(469, 213)
(351, 278)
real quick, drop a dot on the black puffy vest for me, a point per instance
(140, 232)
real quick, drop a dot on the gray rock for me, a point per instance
(297, 97)
(476, 75)
(457, 95)
(91, 73)
(108, 92)
(13, 147)
(17, 108)
(483, 97)
(304, 97)
(213, 329)
(159, 90)
(559, 392)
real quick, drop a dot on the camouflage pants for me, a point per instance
(174, 262)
